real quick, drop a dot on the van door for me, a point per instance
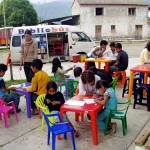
(79, 42)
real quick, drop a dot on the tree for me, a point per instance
(18, 12)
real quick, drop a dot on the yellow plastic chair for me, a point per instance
(40, 104)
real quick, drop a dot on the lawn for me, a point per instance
(4, 50)
(14, 82)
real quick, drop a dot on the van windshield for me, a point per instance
(80, 37)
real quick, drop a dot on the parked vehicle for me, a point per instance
(53, 41)
(5, 36)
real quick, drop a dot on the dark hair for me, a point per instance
(148, 46)
(51, 84)
(118, 45)
(112, 44)
(3, 67)
(87, 77)
(77, 71)
(103, 42)
(37, 63)
(102, 83)
(56, 64)
(93, 69)
(28, 32)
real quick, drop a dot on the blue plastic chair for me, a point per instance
(57, 129)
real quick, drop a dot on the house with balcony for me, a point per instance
(112, 18)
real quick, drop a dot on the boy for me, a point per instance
(121, 61)
(3, 89)
(38, 84)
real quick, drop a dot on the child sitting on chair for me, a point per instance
(109, 101)
(54, 100)
(77, 73)
(57, 69)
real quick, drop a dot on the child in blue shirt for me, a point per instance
(3, 89)
(109, 101)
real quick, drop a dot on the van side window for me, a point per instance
(16, 41)
(80, 37)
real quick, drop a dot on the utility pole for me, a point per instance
(4, 15)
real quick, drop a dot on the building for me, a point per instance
(104, 19)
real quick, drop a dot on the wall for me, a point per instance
(113, 15)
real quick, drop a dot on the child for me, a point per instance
(54, 99)
(77, 73)
(57, 69)
(3, 89)
(109, 101)
(38, 84)
(102, 74)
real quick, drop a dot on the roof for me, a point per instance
(112, 2)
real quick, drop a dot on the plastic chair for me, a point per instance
(139, 95)
(123, 75)
(72, 87)
(5, 109)
(119, 114)
(40, 104)
(57, 129)
(114, 83)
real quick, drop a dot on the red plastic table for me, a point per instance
(91, 109)
(99, 60)
(139, 68)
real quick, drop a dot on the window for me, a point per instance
(80, 37)
(98, 11)
(113, 28)
(131, 11)
(16, 41)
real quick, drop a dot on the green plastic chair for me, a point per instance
(119, 114)
(72, 87)
(40, 104)
(114, 83)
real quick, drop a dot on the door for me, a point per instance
(98, 30)
(138, 32)
(80, 43)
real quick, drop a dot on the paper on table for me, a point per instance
(75, 103)
(89, 101)
(110, 58)
(24, 86)
(16, 86)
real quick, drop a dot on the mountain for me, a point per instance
(55, 9)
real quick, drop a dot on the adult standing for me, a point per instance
(29, 52)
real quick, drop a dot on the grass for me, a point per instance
(14, 82)
(4, 50)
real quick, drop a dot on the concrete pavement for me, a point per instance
(27, 135)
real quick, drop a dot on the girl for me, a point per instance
(109, 101)
(57, 69)
(54, 100)
(29, 52)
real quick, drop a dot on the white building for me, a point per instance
(112, 18)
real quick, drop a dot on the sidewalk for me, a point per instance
(27, 135)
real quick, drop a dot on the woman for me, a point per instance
(29, 52)
(145, 55)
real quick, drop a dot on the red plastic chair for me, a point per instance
(58, 45)
(5, 108)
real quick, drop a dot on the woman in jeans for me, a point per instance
(29, 52)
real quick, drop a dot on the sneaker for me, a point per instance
(76, 134)
(34, 112)
(18, 110)
(114, 127)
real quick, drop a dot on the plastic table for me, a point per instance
(139, 68)
(27, 95)
(91, 109)
(99, 60)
